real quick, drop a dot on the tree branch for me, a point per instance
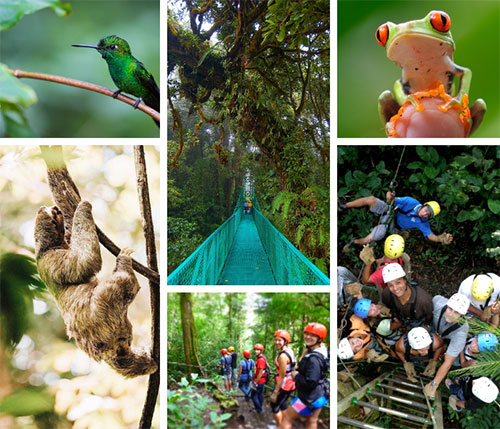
(149, 235)
(66, 196)
(85, 85)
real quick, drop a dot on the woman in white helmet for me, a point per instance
(471, 393)
(446, 313)
(483, 290)
(418, 347)
(410, 306)
(394, 247)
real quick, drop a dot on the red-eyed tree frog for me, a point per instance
(424, 50)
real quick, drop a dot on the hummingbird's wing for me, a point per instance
(147, 80)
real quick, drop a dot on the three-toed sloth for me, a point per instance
(94, 311)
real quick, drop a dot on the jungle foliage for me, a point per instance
(463, 179)
(255, 76)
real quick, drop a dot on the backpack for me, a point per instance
(246, 369)
(267, 369)
(325, 371)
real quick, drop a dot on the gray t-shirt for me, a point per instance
(458, 337)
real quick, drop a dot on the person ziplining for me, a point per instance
(397, 212)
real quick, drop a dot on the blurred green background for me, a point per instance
(364, 70)
(41, 42)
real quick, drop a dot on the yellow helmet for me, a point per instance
(434, 207)
(394, 246)
(230, 349)
(482, 287)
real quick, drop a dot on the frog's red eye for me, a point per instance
(382, 34)
(440, 21)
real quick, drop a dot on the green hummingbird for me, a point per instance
(128, 73)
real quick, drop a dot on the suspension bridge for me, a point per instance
(247, 250)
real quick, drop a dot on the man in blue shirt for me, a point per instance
(409, 213)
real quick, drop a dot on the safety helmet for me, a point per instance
(258, 347)
(282, 334)
(485, 389)
(487, 341)
(230, 349)
(316, 329)
(434, 207)
(392, 272)
(246, 353)
(223, 351)
(482, 287)
(344, 350)
(362, 307)
(384, 327)
(458, 302)
(419, 338)
(394, 246)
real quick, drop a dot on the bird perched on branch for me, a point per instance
(128, 73)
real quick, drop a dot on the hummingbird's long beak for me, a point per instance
(86, 46)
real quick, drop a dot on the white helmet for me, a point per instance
(384, 327)
(392, 272)
(458, 302)
(344, 350)
(419, 338)
(485, 389)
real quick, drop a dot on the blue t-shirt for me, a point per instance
(226, 362)
(411, 219)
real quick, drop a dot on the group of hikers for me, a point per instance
(247, 207)
(309, 376)
(407, 323)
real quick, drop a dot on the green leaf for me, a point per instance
(430, 172)
(27, 402)
(13, 91)
(213, 417)
(422, 153)
(11, 11)
(494, 206)
(16, 123)
(463, 216)
(281, 36)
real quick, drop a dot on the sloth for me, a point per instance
(94, 311)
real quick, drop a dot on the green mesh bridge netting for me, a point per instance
(247, 249)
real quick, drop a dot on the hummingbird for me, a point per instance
(128, 73)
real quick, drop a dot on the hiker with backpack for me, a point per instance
(405, 212)
(245, 374)
(225, 366)
(285, 365)
(234, 363)
(260, 378)
(311, 380)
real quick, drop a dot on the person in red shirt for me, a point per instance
(394, 247)
(259, 380)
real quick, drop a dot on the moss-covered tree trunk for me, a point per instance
(189, 334)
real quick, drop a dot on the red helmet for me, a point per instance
(282, 334)
(246, 353)
(316, 329)
(258, 347)
(224, 351)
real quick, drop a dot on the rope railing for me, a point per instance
(290, 267)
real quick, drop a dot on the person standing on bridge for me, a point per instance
(311, 379)
(245, 207)
(285, 364)
(250, 205)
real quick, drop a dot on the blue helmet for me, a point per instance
(362, 307)
(486, 341)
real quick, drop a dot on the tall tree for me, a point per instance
(189, 334)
